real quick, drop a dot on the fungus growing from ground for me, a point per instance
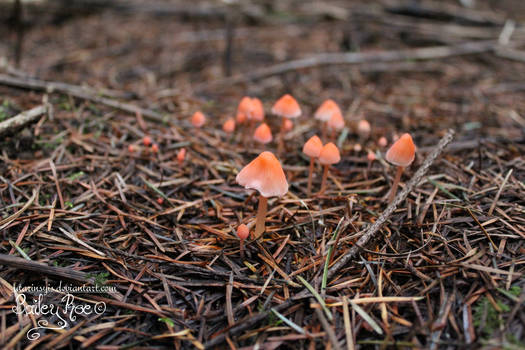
(229, 126)
(265, 175)
(401, 154)
(312, 148)
(325, 112)
(198, 119)
(363, 130)
(382, 142)
(329, 155)
(155, 148)
(263, 134)
(288, 125)
(146, 140)
(242, 232)
(336, 123)
(287, 108)
(131, 148)
(181, 154)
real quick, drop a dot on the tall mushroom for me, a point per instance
(265, 175)
(325, 112)
(287, 108)
(401, 154)
(312, 148)
(329, 155)
(198, 119)
(336, 123)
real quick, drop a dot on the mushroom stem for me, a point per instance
(280, 146)
(393, 190)
(323, 181)
(323, 130)
(310, 171)
(261, 216)
(241, 248)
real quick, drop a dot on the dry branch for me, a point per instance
(427, 53)
(22, 119)
(78, 92)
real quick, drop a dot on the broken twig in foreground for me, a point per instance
(22, 119)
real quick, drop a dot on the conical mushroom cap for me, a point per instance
(229, 125)
(287, 107)
(329, 154)
(363, 128)
(326, 109)
(402, 152)
(263, 134)
(243, 231)
(257, 110)
(265, 175)
(312, 148)
(336, 122)
(198, 119)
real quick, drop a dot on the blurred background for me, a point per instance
(166, 53)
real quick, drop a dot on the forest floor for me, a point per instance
(77, 207)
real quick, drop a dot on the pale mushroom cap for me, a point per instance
(312, 148)
(198, 119)
(336, 122)
(326, 109)
(265, 175)
(229, 126)
(382, 141)
(240, 117)
(402, 152)
(329, 154)
(363, 128)
(286, 107)
(181, 154)
(263, 134)
(243, 232)
(371, 156)
(257, 110)
(245, 105)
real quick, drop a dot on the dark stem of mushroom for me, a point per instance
(241, 248)
(393, 190)
(323, 131)
(325, 176)
(310, 171)
(261, 216)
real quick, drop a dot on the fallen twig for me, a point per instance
(22, 119)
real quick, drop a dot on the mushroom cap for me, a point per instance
(229, 125)
(181, 154)
(265, 175)
(243, 232)
(263, 134)
(336, 122)
(382, 141)
(286, 107)
(402, 152)
(146, 140)
(198, 119)
(256, 111)
(312, 148)
(371, 156)
(329, 154)
(243, 108)
(240, 117)
(363, 128)
(326, 109)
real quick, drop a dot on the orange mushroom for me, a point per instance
(257, 110)
(325, 112)
(229, 126)
(198, 119)
(242, 232)
(265, 175)
(329, 155)
(155, 148)
(288, 125)
(181, 154)
(363, 130)
(382, 141)
(146, 140)
(335, 123)
(287, 108)
(242, 109)
(401, 154)
(263, 134)
(312, 148)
